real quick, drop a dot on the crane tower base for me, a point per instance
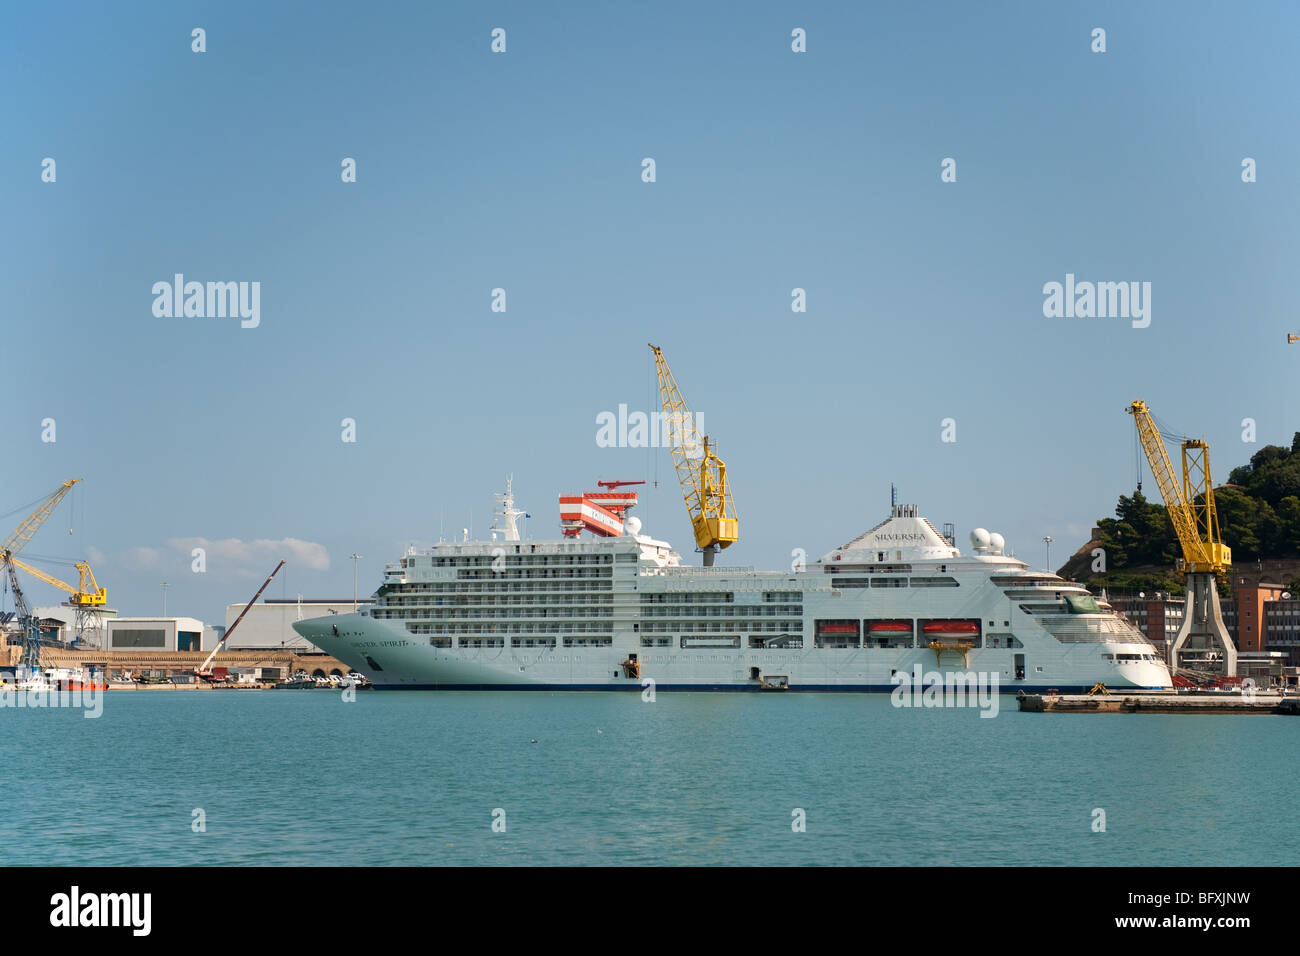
(1203, 642)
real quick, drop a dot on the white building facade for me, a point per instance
(154, 634)
(269, 625)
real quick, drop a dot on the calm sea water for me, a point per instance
(300, 777)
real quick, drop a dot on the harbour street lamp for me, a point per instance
(355, 558)
(165, 586)
(1047, 540)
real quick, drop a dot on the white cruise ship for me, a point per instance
(617, 610)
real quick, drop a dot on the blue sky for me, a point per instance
(522, 170)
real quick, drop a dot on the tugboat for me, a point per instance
(58, 678)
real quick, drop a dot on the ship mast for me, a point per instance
(508, 514)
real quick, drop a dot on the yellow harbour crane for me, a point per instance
(87, 594)
(1203, 642)
(700, 471)
(82, 595)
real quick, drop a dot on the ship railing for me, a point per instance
(728, 569)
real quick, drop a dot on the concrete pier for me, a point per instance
(1159, 703)
(167, 663)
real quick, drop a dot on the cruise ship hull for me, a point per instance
(899, 604)
(393, 660)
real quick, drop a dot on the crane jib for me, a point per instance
(1189, 502)
(27, 530)
(231, 630)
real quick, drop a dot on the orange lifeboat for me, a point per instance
(940, 630)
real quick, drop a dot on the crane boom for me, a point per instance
(1190, 503)
(203, 670)
(704, 486)
(32, 523)
(41, 575)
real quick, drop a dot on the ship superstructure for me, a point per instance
(612, 610)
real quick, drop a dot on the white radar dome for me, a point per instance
(632, 526)
(979, 539)
(997, 542)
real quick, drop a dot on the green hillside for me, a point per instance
(1259, 518)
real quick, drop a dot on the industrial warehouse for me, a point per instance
(264, 650)
(86, 638)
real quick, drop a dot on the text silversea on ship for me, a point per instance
(604, 612)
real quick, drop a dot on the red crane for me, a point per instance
(204, 670)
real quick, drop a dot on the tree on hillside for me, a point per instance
(1287, 540)
(1273, 473)
(1145, 530)
(1239, 517)
(1259, 517)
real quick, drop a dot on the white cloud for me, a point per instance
(142, 557)
(264, 551)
